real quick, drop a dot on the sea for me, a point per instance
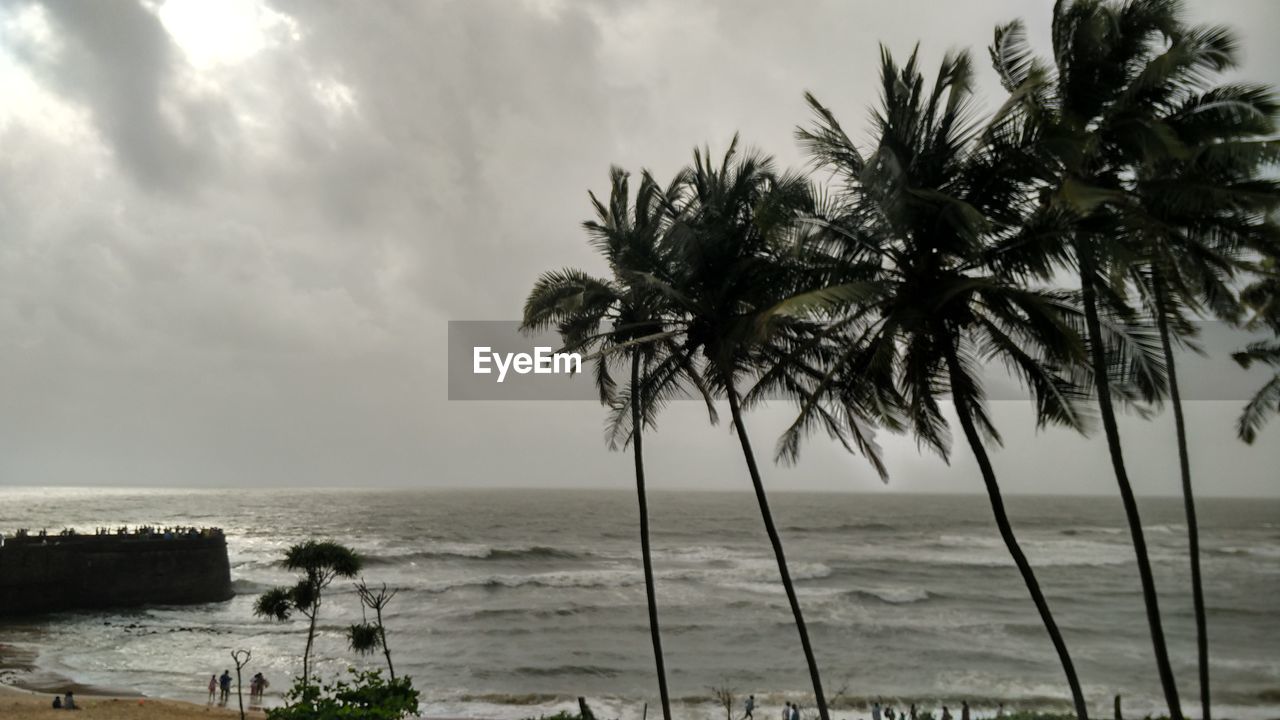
(513, 603)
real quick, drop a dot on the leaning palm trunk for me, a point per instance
(311, 638)
(1188, 498)
(1011, 542)
(1098, 357)
(735, 407)
(637, 419)
(382, 637)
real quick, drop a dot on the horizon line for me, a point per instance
(562, 488)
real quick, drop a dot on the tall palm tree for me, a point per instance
(1132, 134)
(917, 226)
(1190, 245)
(624, 318)
(742, 289)
(1263, 298)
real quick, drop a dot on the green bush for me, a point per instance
(367, 697)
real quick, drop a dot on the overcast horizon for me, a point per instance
(234, 234)
(888, 490)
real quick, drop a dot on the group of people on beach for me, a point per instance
(889, 713)
(791, 711)
(66, 702)
(221, 686)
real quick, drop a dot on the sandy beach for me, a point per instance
(21, 704)
(28, 693)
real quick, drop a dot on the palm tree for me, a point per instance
(625, 317)
(1190, 244)
(319, 563)
(1132, 134)
(918, 225)
(745, 290)
(1263, 297)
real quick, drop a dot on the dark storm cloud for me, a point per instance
(118, 60)
(233, 233)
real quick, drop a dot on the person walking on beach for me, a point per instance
(889, 713)
(913, 711)
(749, 705)
(964, 710)
(875, 710)
(946, 714)
(225, 683)
(213, 687)
(786, 711)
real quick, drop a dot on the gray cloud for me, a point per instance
(118, 61)
(240, 269)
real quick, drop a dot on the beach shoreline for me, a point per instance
(27, 691)
(18, 703)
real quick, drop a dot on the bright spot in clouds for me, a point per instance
(224, 32)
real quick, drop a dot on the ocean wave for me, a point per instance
(240, 586)
(846, 527)
(1269, 552)
(477, 552)
(545, 671)
(989, 551)
(894, 596)
(753, 574)
(514, 698)
(521, 613)
(585, 579)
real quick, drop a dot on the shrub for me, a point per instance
(366, 697)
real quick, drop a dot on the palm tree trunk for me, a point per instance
(637, 450)
(382, 635)
(1011, 542)
(311, 637)
(735, 407)
(306, 654)
(240, 692)
(1098, 357)
(1188, 498)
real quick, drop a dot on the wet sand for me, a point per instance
(20, 704)
(18, 669)
(28, 692)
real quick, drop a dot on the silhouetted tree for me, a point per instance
(625, 317)
(1263, 298)
(916, 226)
(368, 637)
(240, 658)
(319, 564)
(1122, 103)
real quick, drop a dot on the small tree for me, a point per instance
(367, 637)
(319, 563)
(240, 658)
(723, 695)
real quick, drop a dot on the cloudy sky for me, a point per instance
(232, 233)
